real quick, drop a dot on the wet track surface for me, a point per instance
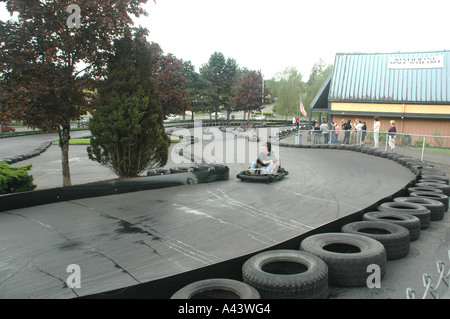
(132, 238)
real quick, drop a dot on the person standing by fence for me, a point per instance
(347, 131)
(376, 131)
(358, 128)
(392, 132)
(325, 132)
(364, 132)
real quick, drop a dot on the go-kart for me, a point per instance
(260, 175)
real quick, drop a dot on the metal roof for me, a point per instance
(414, 77)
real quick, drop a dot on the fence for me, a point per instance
(419, 146)
(431, 288)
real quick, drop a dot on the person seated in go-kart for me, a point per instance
(266, 159)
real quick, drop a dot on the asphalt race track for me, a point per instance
(133, 238)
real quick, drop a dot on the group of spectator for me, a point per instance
(344, 132)
(347, 132)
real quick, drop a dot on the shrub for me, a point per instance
(419, 143)
(15, 179)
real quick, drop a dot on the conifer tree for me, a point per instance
(127, 127)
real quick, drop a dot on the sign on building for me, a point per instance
(416, 63)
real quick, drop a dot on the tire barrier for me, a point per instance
(424, 189)
(347, 256)
(395, 238)
(442, 187)
(287, 274)
(435, 177)
(436, 208)
(410, 222)
(436, 196)
(36, 152)
(217, 288)
(155, 179)
(409, 208)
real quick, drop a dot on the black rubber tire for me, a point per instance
(175, 170)
(217, 288)
(346, 269)
(410, 222)
(410, 164)
(431, 171)
(377, 152)
(395, 238)
(435, 207)
(436, 196)
(403, 160)
(384, 154)
(275, 274)
(409, 208)
(397, 156)
(436, 177)
(424, 189)
(370, 151)
(431, 181)
(442, 187)
(157, 172)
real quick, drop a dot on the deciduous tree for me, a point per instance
(43, 82)
(249, 96)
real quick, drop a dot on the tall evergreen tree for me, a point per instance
(127, 127)
(220, 75)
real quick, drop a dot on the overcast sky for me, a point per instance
(271, 35)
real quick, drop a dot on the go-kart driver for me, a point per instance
(265, 159)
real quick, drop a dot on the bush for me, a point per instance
(15, 179)
(419, 143)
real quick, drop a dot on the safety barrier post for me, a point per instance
(387, 141)
(423, 149)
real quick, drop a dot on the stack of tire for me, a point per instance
(204, 173)
(344, 258)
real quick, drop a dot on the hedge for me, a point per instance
(15, 179)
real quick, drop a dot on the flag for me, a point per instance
(302, 109)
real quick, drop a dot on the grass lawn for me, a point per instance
(433, 149)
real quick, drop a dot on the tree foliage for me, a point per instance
(289, 89)
(41, 82)
(220, 75)
(195, 88)
(127, 127)
(249, 95)
(319, 73)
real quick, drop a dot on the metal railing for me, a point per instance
(433, 288)
(414, 145)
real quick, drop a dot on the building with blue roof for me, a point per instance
(411, 88)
